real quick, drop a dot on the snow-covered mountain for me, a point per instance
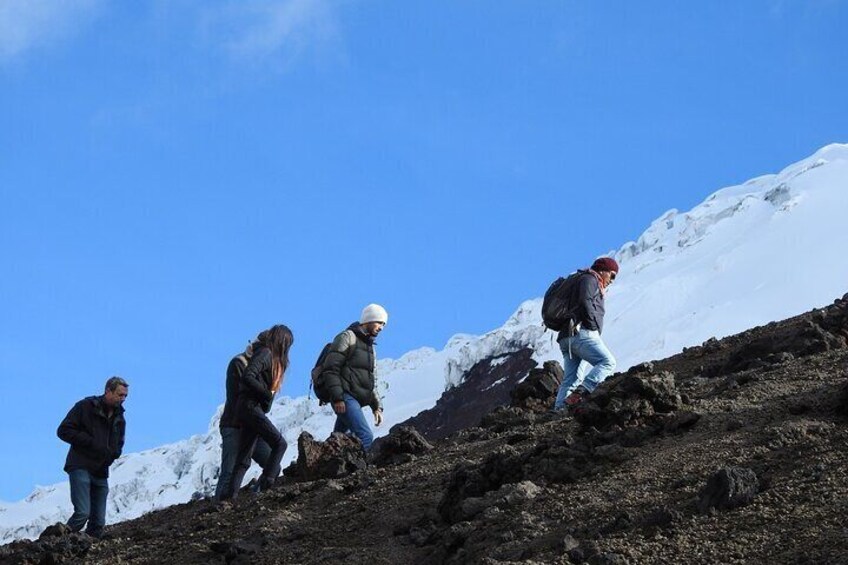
(749, 254)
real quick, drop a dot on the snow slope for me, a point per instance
(749, 254)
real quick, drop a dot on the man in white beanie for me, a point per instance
(348, 374)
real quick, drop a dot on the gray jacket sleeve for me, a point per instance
(333, 363)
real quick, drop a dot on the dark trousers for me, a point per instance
(88, 495)
(229, 450)
(255, 425)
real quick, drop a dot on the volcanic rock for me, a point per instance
(399, 446)
(729, 488)
(337, 457)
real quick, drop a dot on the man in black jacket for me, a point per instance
(95, 428)
(584, 344)
(348, 371)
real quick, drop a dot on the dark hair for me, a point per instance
(279, 340)
(114, 382)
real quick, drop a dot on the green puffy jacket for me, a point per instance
(351, 372)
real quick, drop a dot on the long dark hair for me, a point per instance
(278, 339)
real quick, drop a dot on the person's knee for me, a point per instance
(280, 444)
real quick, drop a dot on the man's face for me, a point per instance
(116, 397)
(373, 328)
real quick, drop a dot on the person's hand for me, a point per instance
(339, 407)
(378, 417)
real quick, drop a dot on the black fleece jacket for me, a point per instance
(255, 382)
(96, 438)
(234, 372)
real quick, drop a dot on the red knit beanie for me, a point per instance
(605, 264)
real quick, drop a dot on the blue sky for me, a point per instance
(177, 175)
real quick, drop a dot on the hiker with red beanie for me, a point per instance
(581, 341)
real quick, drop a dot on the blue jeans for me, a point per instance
(353, 420)
(587, 346)
(229, 450)
(88, 495)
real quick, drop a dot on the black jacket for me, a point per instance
(352, 371)
(234, 372)
(96, 439)
(255, 383)
(590, 303)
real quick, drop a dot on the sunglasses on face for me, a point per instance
(612, 276)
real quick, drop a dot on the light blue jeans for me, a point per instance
(585, 347)
(353, 420)
(88, 495)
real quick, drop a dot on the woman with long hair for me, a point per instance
(260, 381)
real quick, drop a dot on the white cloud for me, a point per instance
(277, 29)
(28, 24)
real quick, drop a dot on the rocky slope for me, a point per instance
(736, 260)
(730, 452)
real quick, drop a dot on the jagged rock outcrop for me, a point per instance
(538, 391)
(402, 445)
(486, 385)
(56, 544)
(338, 456)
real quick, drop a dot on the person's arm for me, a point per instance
(332, 368)
(587, 288)
(122, 428)
(235, 369)
(375, 401)
(71, 429)
(252, 376)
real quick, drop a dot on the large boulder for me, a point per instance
(338, 456)
(538, 391)
(402, 444)
(727, 488)
(630, 399)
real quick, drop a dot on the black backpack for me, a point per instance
(317, 383)
(559, 305)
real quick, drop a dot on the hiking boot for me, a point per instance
(576, 397)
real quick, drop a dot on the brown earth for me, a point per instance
(730, 452)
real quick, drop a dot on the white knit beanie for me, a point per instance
(374, 313)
